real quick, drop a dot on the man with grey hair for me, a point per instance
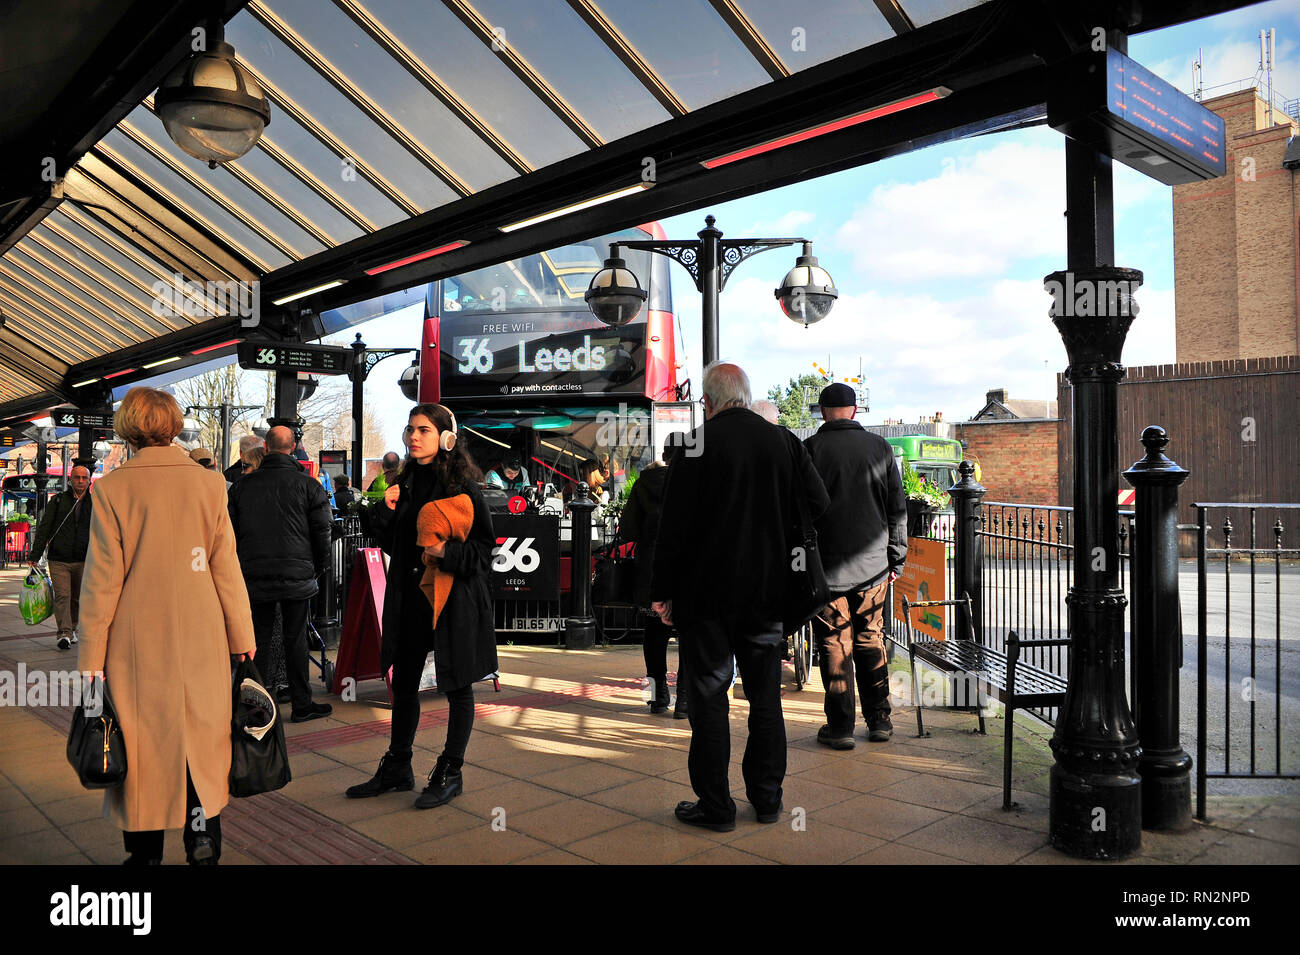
(720, 575)
(766, 410)
(246, 443)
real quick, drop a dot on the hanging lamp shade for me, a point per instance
(807, 293)
(614, 294)
(211, 106)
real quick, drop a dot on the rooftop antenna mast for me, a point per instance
(1266, 38)
(1198, 76)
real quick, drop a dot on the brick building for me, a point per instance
(1015, 442)
(1236, 262)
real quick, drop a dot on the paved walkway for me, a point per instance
(566, 765)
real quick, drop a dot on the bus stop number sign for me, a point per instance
(526, 558)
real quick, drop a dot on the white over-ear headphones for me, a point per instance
(447, 440)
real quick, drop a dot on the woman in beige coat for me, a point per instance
(163, 609)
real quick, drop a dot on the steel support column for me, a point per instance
(580, 626)
(1165, 767)
(42, 478)
(1096, 792)
(286, 400)
(967, 499)
(358, 375)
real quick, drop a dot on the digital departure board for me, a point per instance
(1121, 108)
(66, 418)
(295, 356)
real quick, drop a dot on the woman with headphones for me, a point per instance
(464, 641)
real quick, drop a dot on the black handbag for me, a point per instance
(96, 749)
(259, 759)
(806, 590)
(614, 580)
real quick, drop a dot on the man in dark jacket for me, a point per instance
(282, 524)
(720, 575)
(863, 542)
(65, 528)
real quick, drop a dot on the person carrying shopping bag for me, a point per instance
(65, 530)
(163, 610)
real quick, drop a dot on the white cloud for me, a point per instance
(982, 213)
(790, 224)
(921, 354)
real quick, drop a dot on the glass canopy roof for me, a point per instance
(383, 110)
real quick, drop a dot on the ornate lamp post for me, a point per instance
(615, 296)
(366, 359)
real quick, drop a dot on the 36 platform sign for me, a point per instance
(526, 558)
(924, 577)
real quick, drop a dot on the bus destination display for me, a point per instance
(485, 356)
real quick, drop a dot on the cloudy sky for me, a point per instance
(939, 255)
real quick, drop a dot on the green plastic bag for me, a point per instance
(36, 599)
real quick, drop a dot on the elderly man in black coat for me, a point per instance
(721, 569)
(282, 521)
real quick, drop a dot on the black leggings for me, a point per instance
(148, 844)
(407, 668)
(655, 649)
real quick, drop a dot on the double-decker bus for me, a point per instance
(530, 372)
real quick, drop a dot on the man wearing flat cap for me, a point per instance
(205, 457)
(863, 542)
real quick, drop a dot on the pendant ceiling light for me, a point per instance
(211, 106)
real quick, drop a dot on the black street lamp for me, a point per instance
(366, 359)
(615, 296)
(225, 413)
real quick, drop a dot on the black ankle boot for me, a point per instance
(394, 775)
(445, 784)
(662, 699)
(679, 709)
(203, 851)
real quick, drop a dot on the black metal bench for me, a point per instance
(1015, 684)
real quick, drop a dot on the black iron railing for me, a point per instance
(346, 546)
(1251, 679)
(512, 618)
(1023, 576)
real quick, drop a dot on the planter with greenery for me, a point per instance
(924, 500)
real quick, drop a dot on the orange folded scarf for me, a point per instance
(448, 518)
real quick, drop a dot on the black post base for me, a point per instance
(579, 633)
(1095, 815)
(1166, 791)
